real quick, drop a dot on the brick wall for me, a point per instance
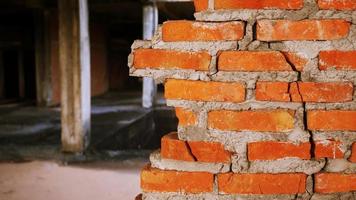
(265, 96)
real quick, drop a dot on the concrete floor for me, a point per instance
(118, 122)
(45, 180)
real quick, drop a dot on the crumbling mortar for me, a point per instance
(334, 196)
(246, 105)
(211, 4)
(169, 164)
(248, 36)
(213, 66)
(215, 185)
(310, 10)
(202, 118)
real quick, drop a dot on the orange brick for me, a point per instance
(252, 61)
(261, 4)
(304, 91)
(182, 30)
(276, 30)
(230, 183)
(299, 62)
(200, 5)
(204, 91)
(353, 153)
(332, 120)
(257, 120)
(173, 148)
(272, 150)
(186, 117)
(170, 59)
(272, 91)
(334, 182)
(328, 149)
(321, 92)
(155, 180)
(209, 152)
(337, 4)
(341, 60)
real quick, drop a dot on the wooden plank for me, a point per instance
(150, 24)
(74, 61)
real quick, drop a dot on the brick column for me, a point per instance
(265, 96)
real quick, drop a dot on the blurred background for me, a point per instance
(123, 132)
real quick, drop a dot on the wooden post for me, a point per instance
(74, 61)
(2, 77)
(43, 58)
(150, 24)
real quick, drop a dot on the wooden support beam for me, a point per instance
(150, 24)
(43, 58)
(74, 61)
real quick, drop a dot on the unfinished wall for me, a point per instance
(264, 94)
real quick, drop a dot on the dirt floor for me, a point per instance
(45, 180)
(123, 134)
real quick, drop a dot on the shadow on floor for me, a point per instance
(121, 128)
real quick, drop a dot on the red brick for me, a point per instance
(321, 92)
(257, 120)
(334, 182)
(337, 4)
(353, 153)
(328, 149)
(332, 120)
(173, 148)
(170, 59)
(272, 91)
(304, 91)
(186, 117)
(155, 180)
(209, 152)
(182, 30)
(341, 60)
(252, 61)
(299, 62)
(204, 91)
(230, 183)
(261, 4)
(201, 5)
(272, 150)
(276, 30)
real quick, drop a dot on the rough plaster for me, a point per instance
(167, 164)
